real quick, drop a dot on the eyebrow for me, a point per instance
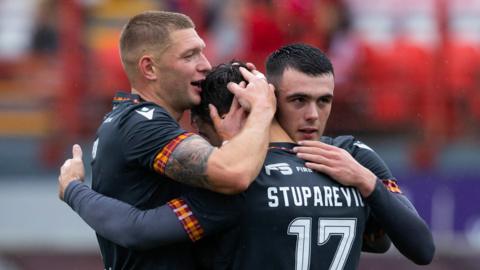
(191, 50)
(297, 95)
(302, 94)
(327, 96)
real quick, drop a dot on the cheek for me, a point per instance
(290, 116)
(289, 120)
(325, 112)
(181, 72)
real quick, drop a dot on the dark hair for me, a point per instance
(301, 57)
(214, 89)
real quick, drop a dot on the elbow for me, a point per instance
(230, 177)
(240, 186)
(134, 241)
(241, 182)
(130, 241)
(382, 248)
(124, 234)
(426, 251)
(422, 253)
(426, 256)
(237, 183)
(231, 181)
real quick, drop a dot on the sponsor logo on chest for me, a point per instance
(285, 169)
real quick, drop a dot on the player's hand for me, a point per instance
(251, 66)
(71, 170)
(338, 164)
(257, 94)
(229, 124)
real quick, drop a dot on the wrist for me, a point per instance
(265, 110)
(69, 188)
(367, 184)
(261, 117)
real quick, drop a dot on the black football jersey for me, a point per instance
(129, 156)
(290, 218)
(362, 153)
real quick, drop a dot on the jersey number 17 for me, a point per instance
(301, 228)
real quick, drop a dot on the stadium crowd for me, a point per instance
(403, 68)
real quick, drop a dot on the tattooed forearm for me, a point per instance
(188, 162)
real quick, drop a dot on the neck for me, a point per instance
(278, 134)
(151, 97)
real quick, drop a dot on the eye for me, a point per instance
(298, 100)
(326, 100)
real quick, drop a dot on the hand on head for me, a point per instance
(258, 93)
(72, 169)
(231, 123)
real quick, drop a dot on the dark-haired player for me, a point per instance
(290, 216)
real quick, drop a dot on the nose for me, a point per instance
(204, 64)
(311, 113)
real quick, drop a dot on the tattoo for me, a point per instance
(188, 162)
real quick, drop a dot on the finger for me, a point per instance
(77, 152)
(272, 87)
(318, 167)
(258, 74)
(239, 94)
(241, 112)
(235, 105)
(249, 76)
(312, 150)
(318, 144)
(315, 159)
(251, 66)
(65, 165)
(243, 84)
(234, 88)
(216, 119)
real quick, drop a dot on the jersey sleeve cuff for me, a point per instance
(189, 222)
(69, 191)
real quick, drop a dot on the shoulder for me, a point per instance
(143, 116)
(347, 142)
(145, 112)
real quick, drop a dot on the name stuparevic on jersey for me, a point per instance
(318, 196)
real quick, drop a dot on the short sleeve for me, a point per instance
(150, 136)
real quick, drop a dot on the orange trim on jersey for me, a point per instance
(391, 185)
(120, 99)
(189, 221)
(162, 157)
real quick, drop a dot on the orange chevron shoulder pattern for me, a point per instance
(162, 157)
(391, 185)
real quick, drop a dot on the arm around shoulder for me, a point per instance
(122, 223)
(229, 169)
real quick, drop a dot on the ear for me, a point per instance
(147, 68)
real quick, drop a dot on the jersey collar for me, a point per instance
(285, 146)
(121, 97)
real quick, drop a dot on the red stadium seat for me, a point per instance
(395, 77)
(462, 70)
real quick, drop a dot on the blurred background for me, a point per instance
(407, 84)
